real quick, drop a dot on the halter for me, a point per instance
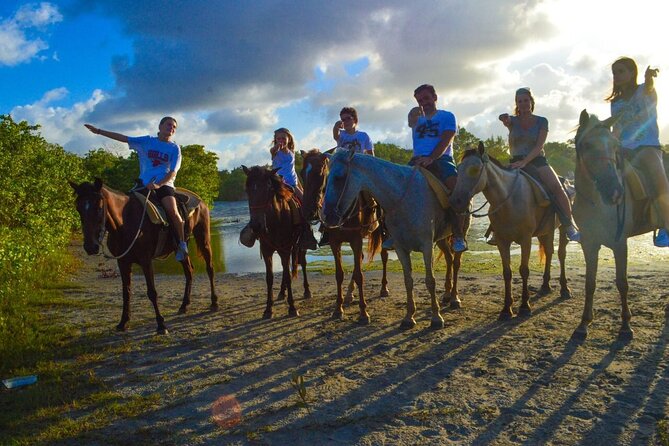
(484, 160)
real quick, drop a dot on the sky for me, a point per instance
(233, 71)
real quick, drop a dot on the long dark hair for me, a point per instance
(628, 63)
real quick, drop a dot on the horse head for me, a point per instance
(314, 173)
(91, 208)
(341, 190)
(265, 189)
(599, 156)
(471, 178)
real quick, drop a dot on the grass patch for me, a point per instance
(663, 432)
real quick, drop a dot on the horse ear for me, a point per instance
(74, 186)
(351, 152)
(274, 171)
(609, 122)
(245, 169)
(303, 153)
(584, 118)
(481, 148)
(331, 151)
(98, 184)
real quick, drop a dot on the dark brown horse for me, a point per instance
(353, 231)
(105, 210)
(276, 221)
(607, 212)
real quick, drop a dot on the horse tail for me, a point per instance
(201, 230)
(374, 244)
(295, 257)
(542, 254)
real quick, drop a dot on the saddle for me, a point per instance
(187, 202)
(541, 197)
(440, 190)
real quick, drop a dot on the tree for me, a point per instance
(198, 172)
(392, 153)
(232, 185)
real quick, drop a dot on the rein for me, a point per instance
(499, 206)
(104, 231)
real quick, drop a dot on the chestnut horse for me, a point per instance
(274, 222)
(515, 216)
(104, 210)
(314, 175)
(607, 212)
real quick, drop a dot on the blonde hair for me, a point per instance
(525, 90)
(291, 141)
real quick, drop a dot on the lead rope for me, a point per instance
(104, 232)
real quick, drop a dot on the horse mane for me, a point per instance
(475, 152)
(282, 191)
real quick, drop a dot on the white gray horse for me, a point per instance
(413, 215)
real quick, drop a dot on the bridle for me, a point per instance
(485, 160)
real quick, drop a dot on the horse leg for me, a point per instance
(203, 241)
(188, 273)
(620, 254)
(384, 277)
(547, 242)
(437, 321)
(305, 280)
(348, 298)
(565, 292)
(356, 246)
(405, 260)
(504, 248)
(525, 250)
(285, 263)
(125, 268)
(269, 279)
(282, 290)
(338, 313)
(450, 282)
(147, 267)
(591, 255)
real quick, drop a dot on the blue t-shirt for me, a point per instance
(523, 141)
(358, 141)
(637, 125)
(156, 158)
(427, 133)
(285, 162)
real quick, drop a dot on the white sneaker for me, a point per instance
(662, 239)
(182, 252)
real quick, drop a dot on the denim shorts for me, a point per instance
(442, 168)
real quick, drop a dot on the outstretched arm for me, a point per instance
(112, 135)
(649, 81)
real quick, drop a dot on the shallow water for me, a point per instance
(230, 256)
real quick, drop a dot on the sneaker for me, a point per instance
(572, 233)
(662, 239)
(459, 244)
(308, 239)
(247, 237)
(492, 240)
(325, 240)
(388, 244)
(182, 252)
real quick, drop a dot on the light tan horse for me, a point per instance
(606, 212)
(515, 216)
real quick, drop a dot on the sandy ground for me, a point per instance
(477, 381)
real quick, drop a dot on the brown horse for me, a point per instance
(515, 216)
(273, 220)
(105, 210)
(354, 229)
(607, 212)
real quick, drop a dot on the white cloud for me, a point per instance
(16, 44)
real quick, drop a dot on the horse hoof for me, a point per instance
(407, 324)
(565, 293)
(364, 319)
(626, 335)
(437, 324)
(525, 312)
(348, 300)
(122, 327)
(579, 335)
(666, 310)
(456, 304)
(504, 316)
(162, 331)
(386, 293)
(183, 310)
(293, 312)
(544, 290)
(267, 315)
(307, 295)
(213, 307)
(337, 316)
(281, 296)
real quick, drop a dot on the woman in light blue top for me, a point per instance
(635, 107)
(527, 135)
(283, 158)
